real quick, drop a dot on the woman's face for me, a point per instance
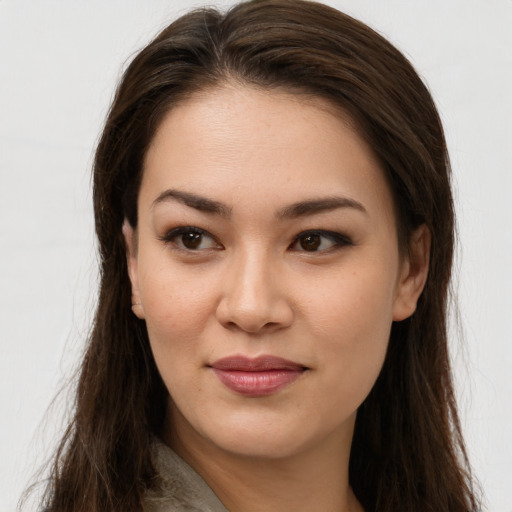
(267, 269)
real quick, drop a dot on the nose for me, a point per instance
(254, 296)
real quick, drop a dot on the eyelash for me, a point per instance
(337, 239)
(171, 237)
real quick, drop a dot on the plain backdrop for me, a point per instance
(59, 62)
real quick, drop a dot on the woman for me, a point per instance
(275, 225)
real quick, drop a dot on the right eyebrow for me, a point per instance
(195, 201)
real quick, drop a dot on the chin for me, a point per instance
(261, 445)
(269, 436)
(267, 428)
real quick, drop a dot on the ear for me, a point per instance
(130, 238)
(413, 275)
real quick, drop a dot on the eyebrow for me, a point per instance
(200, 203)
(321, 205)
(295, 210)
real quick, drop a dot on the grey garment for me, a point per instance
(181, 489)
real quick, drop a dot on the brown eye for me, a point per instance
(320, 241)
(191, 240)
(310, 242)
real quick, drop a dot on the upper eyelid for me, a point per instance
(171, 233)
(171, 239)
(183, 229)
(324, 232)
(334, 236)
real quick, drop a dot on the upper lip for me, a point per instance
(256, 364)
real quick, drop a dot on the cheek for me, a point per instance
(175, 318)
(352, 319)
(177, 307)
(353, 305)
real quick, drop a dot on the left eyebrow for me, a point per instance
(321, 205)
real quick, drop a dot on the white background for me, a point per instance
(59, 62)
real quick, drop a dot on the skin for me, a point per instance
(249, 287)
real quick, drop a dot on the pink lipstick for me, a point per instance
(261, 376)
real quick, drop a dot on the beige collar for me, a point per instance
(180, 488)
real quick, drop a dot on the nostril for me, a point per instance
(254, 327)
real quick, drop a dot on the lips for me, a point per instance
(261, 376)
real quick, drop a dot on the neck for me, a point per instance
(313, 479)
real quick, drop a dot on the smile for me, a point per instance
(262, 376)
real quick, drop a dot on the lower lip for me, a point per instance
(261, 383)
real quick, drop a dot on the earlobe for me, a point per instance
(130, 238)
(414, 274)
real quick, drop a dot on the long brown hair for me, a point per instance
(408, 452)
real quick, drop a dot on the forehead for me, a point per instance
(237, 141)
(253, 111)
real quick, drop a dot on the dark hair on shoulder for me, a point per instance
(408, 453)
